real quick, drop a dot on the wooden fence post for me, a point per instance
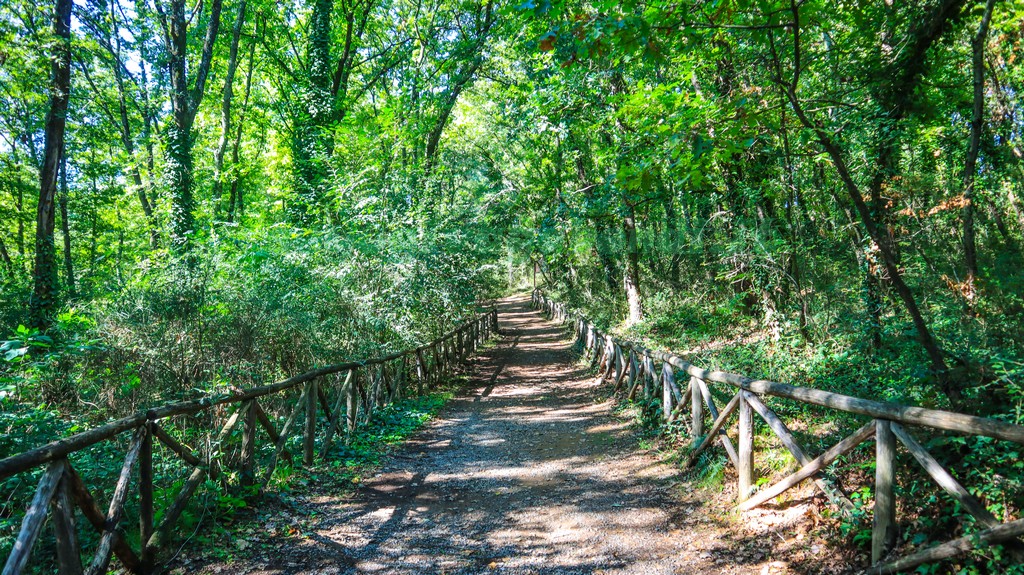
(62, 513)
(696, 411)
(883, 533)
(248, 445)
(666, 390)
(146, 515)
(421, 372)
(309, 441)
(745, 464)
(351, 405)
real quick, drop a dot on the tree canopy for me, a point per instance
(246, 184)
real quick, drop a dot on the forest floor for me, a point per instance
(529, 470)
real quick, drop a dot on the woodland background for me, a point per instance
(823, 194)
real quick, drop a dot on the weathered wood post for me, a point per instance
(146, 513)
(62, 513)
(351, 404)
(745, 461)
(696, 411)
(649, 377)
(883, 533)
(666, 390)
(309, 441)
(620, 367)
(248, 444)
(421, 372)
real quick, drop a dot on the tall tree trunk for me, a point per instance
(311, 140)
(126, 133)
(184, 105)
(673, 244)
(974, 144)
(44, 293)
(5, 257)
(895, 99)
(225, 109)
(65, 226)
(235, 200)
(888, 258)
(631, 279)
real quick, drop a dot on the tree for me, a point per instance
(185, 101)
(46, 286)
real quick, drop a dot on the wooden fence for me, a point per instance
(358, 387)
(634, 369)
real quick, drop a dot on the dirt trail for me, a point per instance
(524, 473)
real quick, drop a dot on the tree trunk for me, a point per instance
(311, 139)
(970, 164)
(899, 83)
(924, 334)
(631, 279)
(235, 200)
(673, 244)
(65, 226)
(184, 105)
(44, 293)
(225, 109)
(5, 257)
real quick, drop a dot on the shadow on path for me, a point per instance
(524, 473)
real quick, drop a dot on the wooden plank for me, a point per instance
(101, 559)
(620, 368)
(321, 395)
(176, 446)
(709, 402)
(790, 443)
(812, 467)
(716, 427)
(421, 377)
(634, 375)
(745, 468)
(943, 478)
(265, 422)
(950, 485)
(61, 448)
(352, 406)
(177, 506)
(34, 518)
(649, 378)
(883, 533)
(92, 512)
(677, 395)
(334, 423)
(62, 513)
(1002, 532)
(286, 430)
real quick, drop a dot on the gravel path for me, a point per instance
(526, 473)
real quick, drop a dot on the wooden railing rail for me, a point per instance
(632, 370)
(359, 388)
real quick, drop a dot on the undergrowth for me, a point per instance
(724, 337)
(230, 522)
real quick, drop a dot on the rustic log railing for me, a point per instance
(633, 370)
(359, 388)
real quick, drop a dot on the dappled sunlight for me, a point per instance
(523, 473)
